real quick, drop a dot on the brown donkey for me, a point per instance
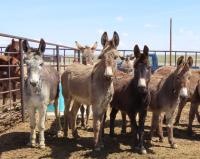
(165, 93)
(91, 85)
(13, 48)
(87, 59)
(194, 95)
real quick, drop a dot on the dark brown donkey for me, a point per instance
(5, 72)
(87, 59)
(133, 96)
(91, 85)
(165, 93)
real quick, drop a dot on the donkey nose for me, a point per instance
(33, 83)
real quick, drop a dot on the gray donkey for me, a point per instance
(91, 85)
(41, 88)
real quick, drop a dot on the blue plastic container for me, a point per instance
(60, 102)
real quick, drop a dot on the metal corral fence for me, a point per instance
(164, 56)
(58, 56)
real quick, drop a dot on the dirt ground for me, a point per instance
(13, 143)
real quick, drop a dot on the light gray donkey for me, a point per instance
(41, 88)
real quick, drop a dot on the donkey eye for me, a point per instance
(41, 64)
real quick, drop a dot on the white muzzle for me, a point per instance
(142, 82)
(108, 71)
(184, 92)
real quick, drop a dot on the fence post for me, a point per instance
(175, 57)
(79, 56)
(57, 58)
(22, 79)
(196, 59)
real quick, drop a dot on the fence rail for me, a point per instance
(57, 56)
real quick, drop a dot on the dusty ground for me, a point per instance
(13, 144)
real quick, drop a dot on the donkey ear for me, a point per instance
(42, 46)
(79, 46)
(104, 39)
(146, 51)
(180, 60)
(115, 39)
(13, 42)
(25, 46)
(190, 61)
(94, 46)
(136, 51)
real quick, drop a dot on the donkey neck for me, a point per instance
(98, 73)
(170, 88)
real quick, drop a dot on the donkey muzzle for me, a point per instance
(184, 92)
(34, 84)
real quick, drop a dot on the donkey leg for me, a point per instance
(57, 114)
(123, 131)
(87, 115)
(82, 109)
(198, 116)
(32, 112)
(97, 121)
(14, 95)
(134, 127)
(180, 108)
(160, 128)
(101, 131)
(154, 124)
(193, 110)
(66, 116)
(142, 118)
(42, 114)
(73, 117)
(169, 122)
(112, 121)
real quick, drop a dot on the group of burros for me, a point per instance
(101, 85)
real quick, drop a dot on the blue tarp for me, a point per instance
(60, 102)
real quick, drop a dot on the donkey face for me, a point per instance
(13, 47)
(87, 53)
(109, 53)
(182, 75)
(34, 62)
(142, 69)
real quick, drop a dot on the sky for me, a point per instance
(137, 22)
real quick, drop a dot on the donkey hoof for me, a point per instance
(143, 151)
(59, 134)
(176, 123)
(161, 140)
(123, 132)
(31, 144)
(97, 148)
(174, 146)
(101, 145)
(42, 146)
(76, 135)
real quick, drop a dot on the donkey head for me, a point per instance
(34, 61)
(142, 69)
(13, 47)
(182, 76)
(87, 53)
(109, 54)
